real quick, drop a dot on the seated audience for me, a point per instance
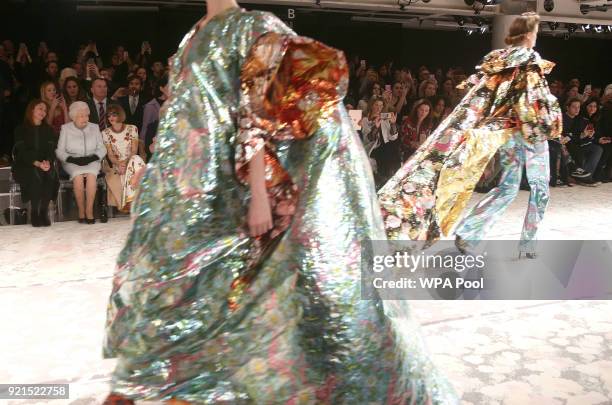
(34, 162)
(81, 149)
(133, 104)
(73, 91)
(380, 141)
(58, 111)
(150, 119)
(121, 143)
(581, 146)
(415, 128)
(592, 114)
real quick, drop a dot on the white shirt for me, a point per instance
(133, 103)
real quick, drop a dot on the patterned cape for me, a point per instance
(508, 93)
(202, 312)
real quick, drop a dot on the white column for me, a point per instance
(501, 24)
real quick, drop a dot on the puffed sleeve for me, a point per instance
(538, 109)
(288, 84)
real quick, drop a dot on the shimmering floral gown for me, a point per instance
(508, 107)
(201, 312)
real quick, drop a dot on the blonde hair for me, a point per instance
(520, 27)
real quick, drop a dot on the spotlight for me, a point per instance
(469, 31)
(553, 25)
(585, 8)
(483, 29)
(586, 27)
(609, 28)
(598, 29)
(549, 5)
(571, 28)
(461, 21)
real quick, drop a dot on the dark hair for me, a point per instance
(49, 64)
(29, 112)
(116, 109)
(163, 81)
(415, 107)
(571, 101)
(134, 77)
(80, 96)
(520, 27)
(585, 113)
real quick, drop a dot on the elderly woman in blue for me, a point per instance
(81, 150)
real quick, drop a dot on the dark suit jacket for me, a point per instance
(136, 118)
(93, 109)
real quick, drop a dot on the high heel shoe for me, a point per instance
(528, 255)
(461, 244)
(91, 221)
(82, 221)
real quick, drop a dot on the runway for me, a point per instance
(56, 281)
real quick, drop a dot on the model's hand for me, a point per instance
(259, 216)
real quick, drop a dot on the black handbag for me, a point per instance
(20, 215)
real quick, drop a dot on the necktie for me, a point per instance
(102, 116)
(133, 105)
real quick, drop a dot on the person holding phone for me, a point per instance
(380, 136)
(591, 112)
(582, 147)
(58, 110)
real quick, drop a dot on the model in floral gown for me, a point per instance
(508, 108)
(212, 301)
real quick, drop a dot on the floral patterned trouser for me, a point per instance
(513, 155)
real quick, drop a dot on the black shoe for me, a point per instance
(580, 173)
(82, 221)
(528, 255)
(91, 221)
(103, 214)
(35, 220)
(43, 214)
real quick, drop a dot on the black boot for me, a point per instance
(34, 214)
(102, 205)
(43, 213)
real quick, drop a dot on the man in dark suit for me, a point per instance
(99, 102)
(134, 102)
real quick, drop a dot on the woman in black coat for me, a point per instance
(34, 157)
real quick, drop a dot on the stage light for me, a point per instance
(571, 28)
(469, 31)
(586, 27)
(598, 29)
(609, 28)
(461, 21)
(553, 25)
(549, 5)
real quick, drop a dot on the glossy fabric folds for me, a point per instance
(201, 312)
(507, 97)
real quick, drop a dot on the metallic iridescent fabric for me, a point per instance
(508, 94)
(201, 312)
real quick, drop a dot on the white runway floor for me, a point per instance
(55, 283)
